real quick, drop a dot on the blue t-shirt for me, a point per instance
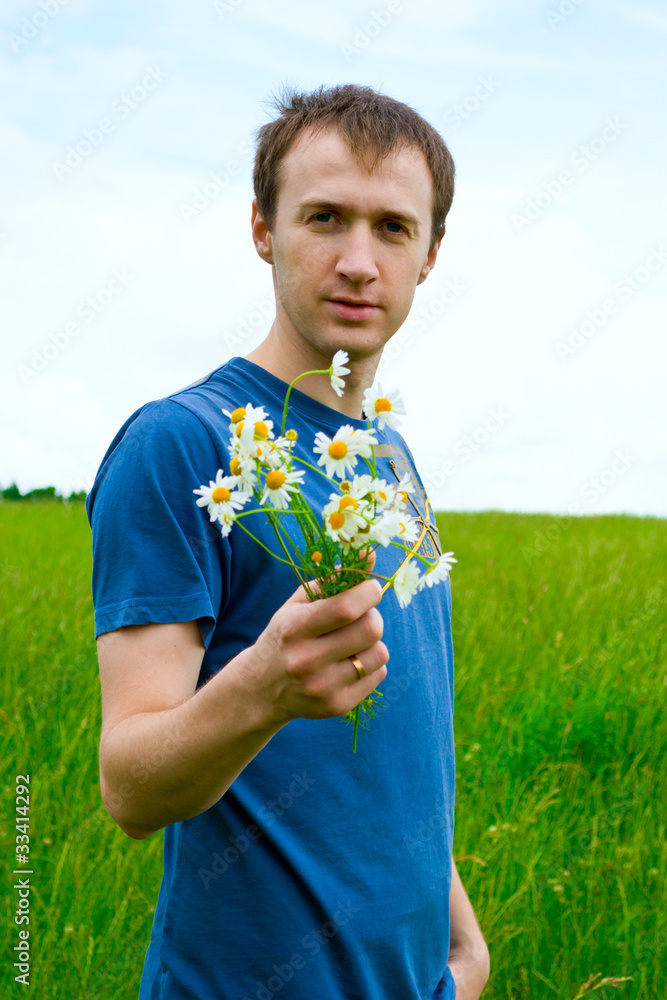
(321, 874)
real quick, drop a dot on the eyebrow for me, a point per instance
(334, 206)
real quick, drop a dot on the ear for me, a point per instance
(429, 263)
(260, 235)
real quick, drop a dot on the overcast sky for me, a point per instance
(536, 347)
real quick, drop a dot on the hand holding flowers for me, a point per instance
(363, 512)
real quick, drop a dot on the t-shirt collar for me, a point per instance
(310, 409)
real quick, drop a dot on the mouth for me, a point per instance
(352, 310)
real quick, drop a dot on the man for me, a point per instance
(292, 866)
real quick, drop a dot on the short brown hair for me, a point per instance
(374, 126)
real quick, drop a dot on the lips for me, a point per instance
(352, 311)
(353, 302)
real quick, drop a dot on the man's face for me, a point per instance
(340, 234)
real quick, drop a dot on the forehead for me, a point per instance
(322, 166)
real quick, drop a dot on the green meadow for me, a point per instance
(560, 836)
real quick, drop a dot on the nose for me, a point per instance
(357, 256)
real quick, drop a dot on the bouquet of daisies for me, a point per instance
(363, 511)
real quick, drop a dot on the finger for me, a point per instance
(346, 641)
(371, 660)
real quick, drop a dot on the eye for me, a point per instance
(317, 217)
(400, 227)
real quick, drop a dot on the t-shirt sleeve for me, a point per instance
(157, 557)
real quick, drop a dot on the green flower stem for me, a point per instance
(286, 533)
(318, 371)
(412, 552)
(280, 558)
(315, 469)
(261, 510)
(308, 519)
(286, 551)
(373, 453)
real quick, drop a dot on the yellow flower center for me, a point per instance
(261, 430)
(364, 531)
(220, 494)
(402, 531)
(259, 451)
(239, 429)
(275, 479)
(403, 494)
(291, 435)
(336, 520)
(238, 414)
(235, 466)
(346, 503)
(382, 496)
(382, 405)
(316, 557)
(345, 486)
(338, 449)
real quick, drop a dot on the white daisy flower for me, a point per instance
(341, 525)
(266, 452)
(226, 521)
(352, 511)
(406, 582)
(253, 429)
(221, 496)
(340, 453)
(279, 484)
(383, 406)
(384, 494)
(408, 530)
(401, 490)
(386, 527)
(439, 571)
(235, 417)
(340, 359)
(243, 467)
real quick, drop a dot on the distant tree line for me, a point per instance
(46, 493)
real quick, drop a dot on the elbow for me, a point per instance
(482, 960)
(115, 803)
(137, 834)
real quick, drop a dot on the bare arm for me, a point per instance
(168, 752)
(161, 766)
(468, 954)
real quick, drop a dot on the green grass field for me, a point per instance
(560, 834)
